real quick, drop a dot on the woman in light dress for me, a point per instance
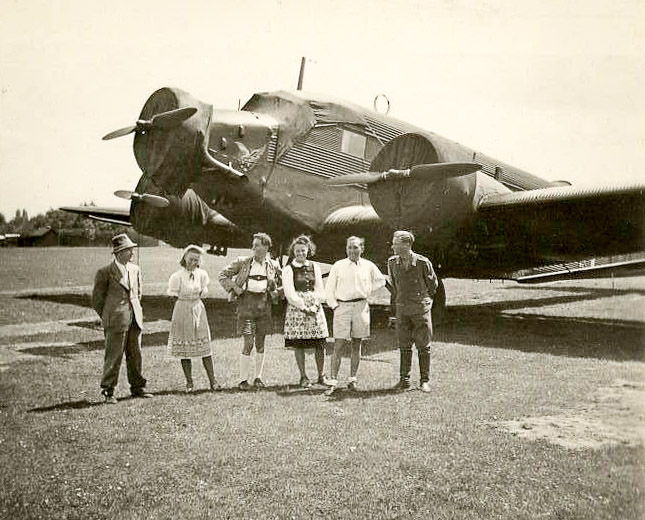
(190, 336)
(305, 325)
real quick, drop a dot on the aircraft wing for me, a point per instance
(562, 224)
(110, 215)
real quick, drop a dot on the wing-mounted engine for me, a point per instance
(419, 192)
(433, 197)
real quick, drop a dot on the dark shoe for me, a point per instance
(216, 387)
(244, 385)
(305, 383)
(352, 386)
(258, 383)
(142, 395)
(425, 387)
(402, 385)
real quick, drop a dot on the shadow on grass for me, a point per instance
(65, 351)
(487, 325)
(482, 324)
(221, 313)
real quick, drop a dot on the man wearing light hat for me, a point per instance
(117, 299)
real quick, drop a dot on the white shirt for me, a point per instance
(257, 269)
(351, 280)
(185, 287)
(123, 270)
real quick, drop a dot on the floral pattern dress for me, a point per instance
(190, 335)
(305, 325)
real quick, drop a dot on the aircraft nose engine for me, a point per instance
(171, 155)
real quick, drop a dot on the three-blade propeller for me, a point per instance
(430, 172)
(163, 121)
(147, 198)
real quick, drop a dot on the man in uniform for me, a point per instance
(254, 282)
(351, 281)
(414, 284)
(117, 300)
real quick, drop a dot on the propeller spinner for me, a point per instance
(162, 121)
(147, 198)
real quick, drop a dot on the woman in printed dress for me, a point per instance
(305, 325)
(190, 336)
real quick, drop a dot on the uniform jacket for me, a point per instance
(425, 272)
(237, 273)
(115, 301)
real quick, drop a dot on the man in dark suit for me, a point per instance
(117, 299)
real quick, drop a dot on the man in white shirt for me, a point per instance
(351, 281)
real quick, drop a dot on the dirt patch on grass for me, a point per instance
(615, 415)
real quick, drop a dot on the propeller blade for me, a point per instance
(172, 118)
(444, 170)
(356, 178)
(126, 194)
(153, 200)
(163, 121)
(431, 172)
(119, 133)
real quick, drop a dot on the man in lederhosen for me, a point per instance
(254, 282)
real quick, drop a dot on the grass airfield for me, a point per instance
(536, 411)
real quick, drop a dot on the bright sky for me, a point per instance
(555, 87)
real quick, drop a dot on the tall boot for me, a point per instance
(424, 365)
(406, 365)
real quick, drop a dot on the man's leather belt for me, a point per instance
(353, 301)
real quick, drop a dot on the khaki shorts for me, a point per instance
(352, 320)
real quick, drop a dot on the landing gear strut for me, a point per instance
(218, 251)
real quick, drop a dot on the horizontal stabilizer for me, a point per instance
(109, 215)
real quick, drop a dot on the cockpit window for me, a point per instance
(353, 143)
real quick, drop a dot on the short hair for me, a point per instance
(406, 236)
(264, 238)
(305, 241)
(360, 240)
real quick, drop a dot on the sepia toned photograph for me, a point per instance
(322, 260)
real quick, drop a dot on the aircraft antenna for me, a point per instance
(302, 72)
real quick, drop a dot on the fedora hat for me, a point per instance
(121, 242)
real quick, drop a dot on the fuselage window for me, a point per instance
(353, 143)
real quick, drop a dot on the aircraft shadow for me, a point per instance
(481, 324)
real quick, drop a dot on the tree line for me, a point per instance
(69, 226)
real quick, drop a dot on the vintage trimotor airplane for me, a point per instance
(290, 163)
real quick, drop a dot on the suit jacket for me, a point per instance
(116, 302)
(237, 273)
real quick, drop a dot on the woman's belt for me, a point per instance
(352, 301)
